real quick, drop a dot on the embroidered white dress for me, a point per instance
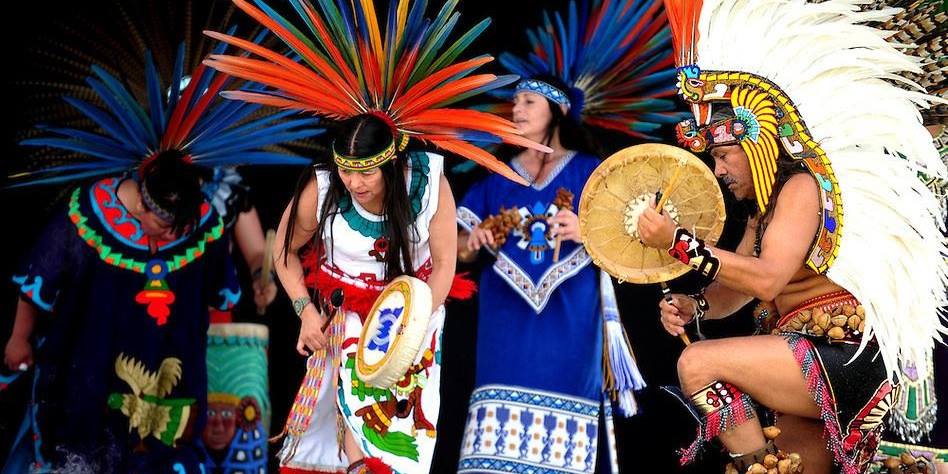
(397, 425)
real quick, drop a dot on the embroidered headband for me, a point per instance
(544, 89)
(364, 163)
(153, 206)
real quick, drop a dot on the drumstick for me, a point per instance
(668, 189)
(564, 200)
(267, 269)
(666, 293)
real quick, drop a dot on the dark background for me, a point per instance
(647, 442)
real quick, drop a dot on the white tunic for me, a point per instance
(407, 445)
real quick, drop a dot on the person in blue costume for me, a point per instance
(528, 302)
(125, 274)
(551, 351)
(113, 314)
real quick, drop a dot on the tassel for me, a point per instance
(622, 374)
(462, 288)
(723, 406)
(288, 451)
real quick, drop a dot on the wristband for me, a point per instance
(701, 305)
(299, 304)
(691, 251)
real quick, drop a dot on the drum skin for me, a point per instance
(393, 332)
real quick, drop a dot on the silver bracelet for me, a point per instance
(299, 304)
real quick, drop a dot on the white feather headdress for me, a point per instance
(815, 80)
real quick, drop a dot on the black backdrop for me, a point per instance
(646, 442)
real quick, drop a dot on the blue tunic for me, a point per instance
(108, 345)
(538, 388)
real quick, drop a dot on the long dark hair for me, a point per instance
(175, 186)
(363, 135)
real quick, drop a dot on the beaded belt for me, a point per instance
(837, 315)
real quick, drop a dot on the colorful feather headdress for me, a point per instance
(797, 76)
(209, 131)
(615, 58)
(350, 66)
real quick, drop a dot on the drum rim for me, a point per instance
(402, 285)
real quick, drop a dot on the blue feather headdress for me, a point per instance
(193, 119)
(615, 58)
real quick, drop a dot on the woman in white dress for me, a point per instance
(373, 213)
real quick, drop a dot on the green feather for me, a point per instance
(450, 54)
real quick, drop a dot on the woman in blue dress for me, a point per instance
(551, 352)
(533, 406)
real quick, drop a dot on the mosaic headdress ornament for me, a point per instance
(127, 134)
(350, 66)
(797, 76)
(615, 59)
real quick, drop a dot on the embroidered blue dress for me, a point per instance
(120, 378)
(538, 395)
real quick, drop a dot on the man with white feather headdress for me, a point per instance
(796, 103)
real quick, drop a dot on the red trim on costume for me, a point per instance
(360, 299)
(376, 466)
(296, 470)
(105, 192)
(350, 341)
(817, 385)
(218, 316)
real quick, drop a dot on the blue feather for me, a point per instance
(103, 120)
(174, 92)
(257, 158)
(88, 148)
(68, 177)
(105, 143)
(155, 97)
(127, 114)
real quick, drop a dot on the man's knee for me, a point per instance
(695, 370)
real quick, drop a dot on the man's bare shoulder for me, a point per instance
(800, 192)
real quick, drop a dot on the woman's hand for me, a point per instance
(312, 332)
(566, 225)
(677, 311)
(478, 238)
(18, 352)
(656, 230)
(264, 294)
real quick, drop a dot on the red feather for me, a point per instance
(683, 18)
(174, 122)
(463, 288)
(480, 157)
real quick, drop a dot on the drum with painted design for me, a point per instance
(394, 332)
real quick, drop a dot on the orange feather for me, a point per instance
(273, 76)
(293, 67)
(683, 19)
(446, 92)
(425, 85)
(480, 157)
(324, 68)
(175, 120)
